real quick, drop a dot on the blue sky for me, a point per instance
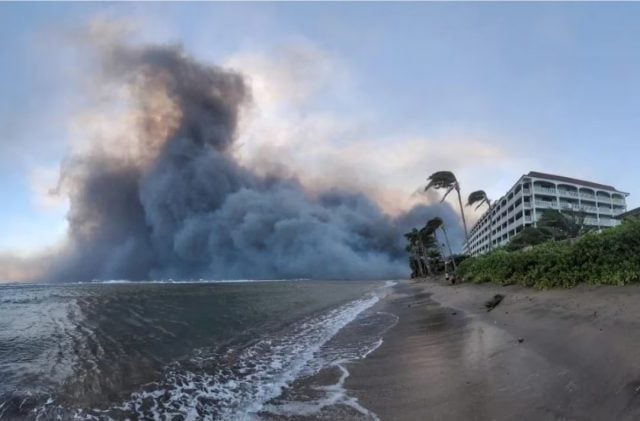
(490, 90)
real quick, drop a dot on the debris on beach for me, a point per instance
(493, 303)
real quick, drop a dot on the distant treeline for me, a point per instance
(610, 257)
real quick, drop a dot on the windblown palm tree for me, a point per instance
(421, 250)
(427, 242)
(447, 180)
(415, 252)
(480, 197)
(432, 225)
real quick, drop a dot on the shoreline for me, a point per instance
(540, 355)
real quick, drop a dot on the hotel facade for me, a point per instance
(532, 195)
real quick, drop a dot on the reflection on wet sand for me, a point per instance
(462, 363)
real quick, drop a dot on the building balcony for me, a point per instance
(605, 211)
(546, 205)
(618, 202)
(567, 205)
(588, 196)
(601, 223)
(568, 193)
(608, 222)
(544, 190)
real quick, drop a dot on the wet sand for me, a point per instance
(540, 355)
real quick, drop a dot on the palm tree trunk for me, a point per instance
(464, 220)
(446, 237)
(439, 245)
(424, 258)
(416, 258)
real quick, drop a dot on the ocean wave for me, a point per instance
(240, 383)
(186, 281)
(324, 401)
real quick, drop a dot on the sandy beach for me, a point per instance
(539, 355)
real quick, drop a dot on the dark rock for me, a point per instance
(493, 303)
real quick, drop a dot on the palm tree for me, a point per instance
(414, 249)
(447, 180)
(421, 249)
(480, 197)
(432, 225)
(427, 241)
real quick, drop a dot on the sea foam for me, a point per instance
(241, 384)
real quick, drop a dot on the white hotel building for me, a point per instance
(536, 192)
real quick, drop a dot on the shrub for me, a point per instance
(610, 257)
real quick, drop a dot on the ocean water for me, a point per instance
(186, 351)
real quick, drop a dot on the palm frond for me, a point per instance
(449, 190)
(478, 196)
(482, 203)
(441, 180)
(434, 223)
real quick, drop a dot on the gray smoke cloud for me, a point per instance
(172, 202)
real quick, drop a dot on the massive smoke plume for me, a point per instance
(170, 201)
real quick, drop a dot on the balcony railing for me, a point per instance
(545, 190)
(542, 204)
(588, 196)
(567, 205)
(569, 193)
(602, 223)
(618, 202)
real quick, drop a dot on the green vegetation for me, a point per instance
(552, 225)
(559, 251)
(424, 254)
(610, 257)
